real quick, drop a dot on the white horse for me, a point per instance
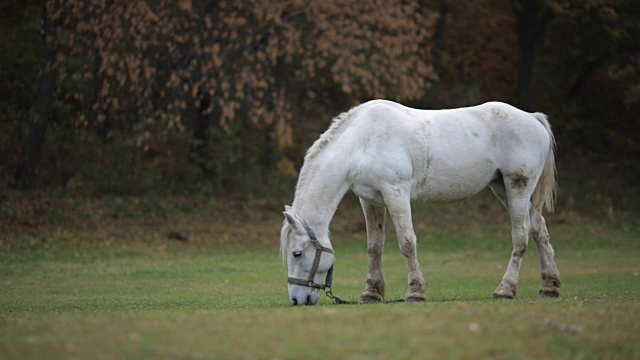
(388, 155)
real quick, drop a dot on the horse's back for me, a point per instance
(490, 128)
(445, 155)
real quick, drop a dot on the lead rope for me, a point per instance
(337, 301)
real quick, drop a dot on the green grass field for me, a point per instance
(90, 292)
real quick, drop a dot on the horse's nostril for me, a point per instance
(294, 301)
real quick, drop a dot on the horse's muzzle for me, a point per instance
(305, 299)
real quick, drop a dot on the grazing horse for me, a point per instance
(389, 155)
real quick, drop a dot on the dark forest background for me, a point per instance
(136, 97)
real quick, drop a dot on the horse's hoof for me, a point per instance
(369, 299)
(502, 297)
(415, 299)
(549, 294)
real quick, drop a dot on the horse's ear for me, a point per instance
(290, 216)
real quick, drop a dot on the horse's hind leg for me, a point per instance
(375, 218)
(548, 269)
(518, 193)
(538, 230)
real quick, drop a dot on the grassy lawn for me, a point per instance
(86, 292)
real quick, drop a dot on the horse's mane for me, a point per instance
(333, 130)
(284, 240)
(337, 127)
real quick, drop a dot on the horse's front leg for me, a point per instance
(375, 218)
(399, 206)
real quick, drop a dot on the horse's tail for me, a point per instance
(545, 193)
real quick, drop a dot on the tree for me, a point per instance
(41, 114)
(475, 47)
(531, 18)
(589, 72)
(216, 68)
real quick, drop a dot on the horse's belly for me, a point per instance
(451, 193)
(451, 186)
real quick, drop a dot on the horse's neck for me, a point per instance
(318, 197)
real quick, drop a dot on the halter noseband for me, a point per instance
(316, 261)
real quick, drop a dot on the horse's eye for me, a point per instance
(297, 253)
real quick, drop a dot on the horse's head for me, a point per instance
(310, 262)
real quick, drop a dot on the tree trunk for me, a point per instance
(102, 121)
(40, 114)
(199, 148)
(438, 47)
(530, 23)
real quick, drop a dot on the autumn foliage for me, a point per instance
(227, 78)
(161, 63)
